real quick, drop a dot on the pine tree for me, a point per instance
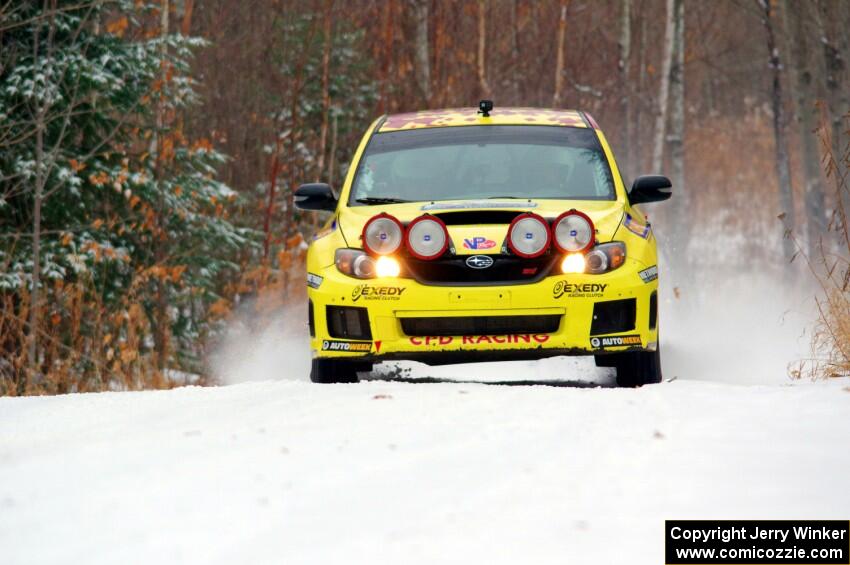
(82, 200)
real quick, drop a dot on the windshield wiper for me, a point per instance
(380, 200)
(508, 197)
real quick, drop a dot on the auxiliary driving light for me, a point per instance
(529, 235)
(574, 232)
(573, 263)
(387, 267)
(382, 235)
(426, 237)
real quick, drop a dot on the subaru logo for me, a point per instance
(479, 262)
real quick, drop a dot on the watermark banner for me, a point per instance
(757, 542)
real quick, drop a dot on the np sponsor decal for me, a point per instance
(636, 228)
(584, 290)
(349, 346)
(650, 274)
(314, 281)
(614, 341)
(478, 339)
(479, 243)
(367, 292)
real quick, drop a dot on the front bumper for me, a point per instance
(395, 307)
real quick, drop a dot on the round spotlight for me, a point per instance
(382, 235)
(529, 235)
(574, 232)
(427, 237)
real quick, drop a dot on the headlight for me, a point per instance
(426, 237)
(605, 257)
(529, 236)
(382, 235)
(574, 232)
(357, 263)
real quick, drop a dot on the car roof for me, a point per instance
(451, 117)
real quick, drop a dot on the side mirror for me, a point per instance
(315, 196)
(650, 188)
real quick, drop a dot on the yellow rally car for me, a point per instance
(489, 234)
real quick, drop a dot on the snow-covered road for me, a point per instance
(394, 472)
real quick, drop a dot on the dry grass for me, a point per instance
(831, 336)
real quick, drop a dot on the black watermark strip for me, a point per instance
(757, 542)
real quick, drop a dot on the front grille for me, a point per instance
(613, 316)
(506, 269)
(311, 320)
(481, 325)
(348, 322)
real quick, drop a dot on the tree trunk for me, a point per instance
(664, 87)
(332, 160)
(162, 323)
(483, 87)
(35, 295)
(676, 138)
(326, 98)
(638, 153)
(516, 60)
(836, 50)
(186, 25)
(386, 64)
(421, 50)
(804, 98)
(783, 166)
(624, 65)
(559, 64)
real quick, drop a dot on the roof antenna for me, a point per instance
(485, 107)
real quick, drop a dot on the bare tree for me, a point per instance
(664, 86)
(483, 86)
(559, 65)
(783, 164)
(833, 21)
(327, 29)
(162, 323)
(624, 65)
(420, 47)
(804, 99)
(676, 138)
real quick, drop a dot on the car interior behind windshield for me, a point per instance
(479, 162)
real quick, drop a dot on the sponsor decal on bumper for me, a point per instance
(650, 274)
(350, 346)
(586, 290)
(369, 292)
(478, 339)
(314, 281)
(614, 341)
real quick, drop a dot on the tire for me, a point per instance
(638, 368)
(328, 371)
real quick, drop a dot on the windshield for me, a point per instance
(471, 162)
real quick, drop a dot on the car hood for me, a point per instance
(471, 222)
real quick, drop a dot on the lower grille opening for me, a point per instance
(348, 322)
(653, 311)
(481, 325)
(613, 316)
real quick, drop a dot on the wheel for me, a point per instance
(638, 368)
(337, 370)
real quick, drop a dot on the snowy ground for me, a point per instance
(439, 472)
